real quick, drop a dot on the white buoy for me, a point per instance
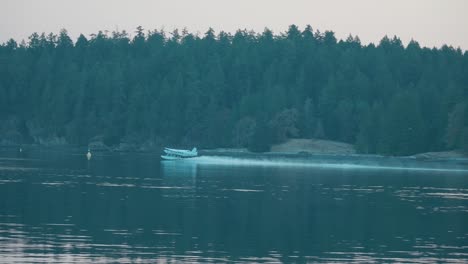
(88, 155)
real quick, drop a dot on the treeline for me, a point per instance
(245, 89)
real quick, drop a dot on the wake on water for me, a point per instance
(314, 163)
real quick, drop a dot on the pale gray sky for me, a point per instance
(431, 22)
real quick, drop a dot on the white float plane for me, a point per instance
(175, 154)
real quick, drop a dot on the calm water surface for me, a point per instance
(57, 207)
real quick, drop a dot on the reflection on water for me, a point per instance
(182, 168)
(61, 208)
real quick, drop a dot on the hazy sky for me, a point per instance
(431, 22)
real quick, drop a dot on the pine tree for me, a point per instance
(245, 89)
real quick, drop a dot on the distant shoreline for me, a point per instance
(290, 148)
(313, 147)
(430, 156)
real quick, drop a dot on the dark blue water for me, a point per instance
(58, 207)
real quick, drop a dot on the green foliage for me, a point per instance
(457, 129)
(284, 125)
(403, 131)
(243, 90)
(244, 132)
(262, 138)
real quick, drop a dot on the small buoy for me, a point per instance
(88, 155)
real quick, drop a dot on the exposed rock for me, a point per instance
(98, 145)
(314, 146)
(51, 141)
(125, 147)
(149, 145)
(454, 154)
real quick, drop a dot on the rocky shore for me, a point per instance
(292, 147)
(305, 147)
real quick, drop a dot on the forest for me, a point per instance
(240, 90)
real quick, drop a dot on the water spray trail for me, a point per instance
(230, 161)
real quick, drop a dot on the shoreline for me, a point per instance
(431, 160)
(337, 149)
(235, 153)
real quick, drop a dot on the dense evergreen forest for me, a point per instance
(245, 89)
